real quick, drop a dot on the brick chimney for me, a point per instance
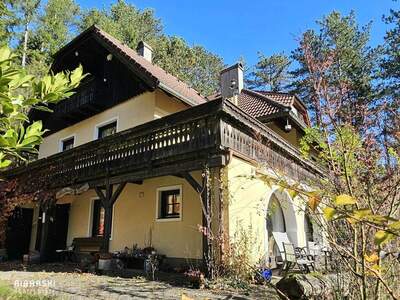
(144, 50)
(231, 81)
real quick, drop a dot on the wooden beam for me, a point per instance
(47, 212)
(139, 182)
(108, 197)
(101, 195)
(117, 192)
(193, 182)
(204, 193)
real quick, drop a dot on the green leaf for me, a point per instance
(395, 225)
(4, 163)
(382, 237)
(329, 213)
(361, 213)
(5, 53)
(344, 200)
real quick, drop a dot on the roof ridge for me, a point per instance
(294, 95)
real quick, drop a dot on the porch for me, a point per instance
(139, 220)
(181, 147)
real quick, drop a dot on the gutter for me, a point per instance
(177, 95)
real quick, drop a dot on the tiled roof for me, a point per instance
(284, 98)
(258, 104)
(165, 80)
(262, 103)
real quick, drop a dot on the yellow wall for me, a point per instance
(293, 136)
(248, 205)
(133, 112)
(134, 217)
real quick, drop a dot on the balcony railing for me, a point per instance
(84, 97)
(177, 143)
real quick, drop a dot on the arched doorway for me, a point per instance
(280, 218)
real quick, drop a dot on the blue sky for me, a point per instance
(233, 28)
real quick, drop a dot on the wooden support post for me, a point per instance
(204, 193)
(108, 199)
(47, 214)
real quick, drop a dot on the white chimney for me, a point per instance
(144, 50)
(231, 80)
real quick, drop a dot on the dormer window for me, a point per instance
(106, 129)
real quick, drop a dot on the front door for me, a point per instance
(19, 227)
(57, 232)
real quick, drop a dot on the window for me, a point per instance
(107, 130)
(98, 219)
(67, 144)
(169, 203)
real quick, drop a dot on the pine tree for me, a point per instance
(390, 74)
(348, 63)
(270, 72)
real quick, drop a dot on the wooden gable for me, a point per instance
(110, 81)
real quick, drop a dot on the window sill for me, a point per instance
(177, 219)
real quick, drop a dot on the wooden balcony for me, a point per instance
(84, 100)
(182, 142)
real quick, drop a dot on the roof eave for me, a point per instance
(178, 95)
(287, 114)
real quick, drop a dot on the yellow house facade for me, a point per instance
(138, 158)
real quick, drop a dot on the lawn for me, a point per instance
(7, 292)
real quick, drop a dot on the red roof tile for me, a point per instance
(258, 105)
(284, 98)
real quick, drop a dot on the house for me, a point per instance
(136, 156)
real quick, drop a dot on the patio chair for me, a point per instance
(294, 257)
(280, 238)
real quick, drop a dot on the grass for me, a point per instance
(8, 293)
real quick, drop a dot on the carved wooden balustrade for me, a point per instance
(184, 141)
(83, 98)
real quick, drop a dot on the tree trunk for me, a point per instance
(25, 48)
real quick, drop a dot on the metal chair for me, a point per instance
(295, 257)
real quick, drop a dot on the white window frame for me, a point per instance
(62, 140)
(158, 206)
(90, 223)
(96, 128)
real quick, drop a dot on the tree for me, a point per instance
(270, 72)
(193, 64)
(21, 92)
(390, 74)
(125, 22)
(359, 192)
(341, 48)
(5, 23)
(55, 26)
(24, 12)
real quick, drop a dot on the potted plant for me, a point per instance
(196, 278)
(105, 261)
